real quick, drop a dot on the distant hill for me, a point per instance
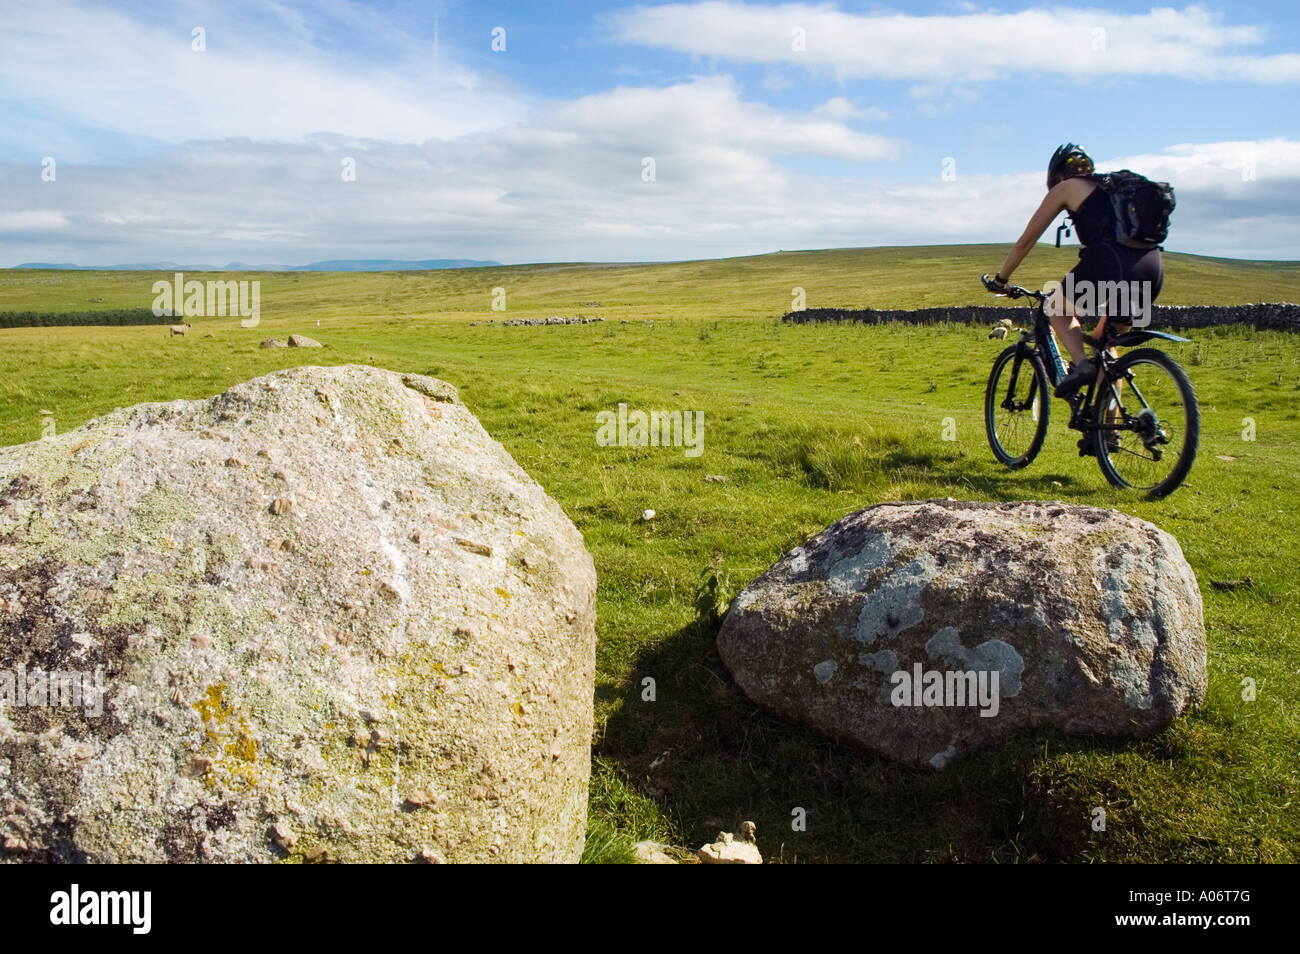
(336, 265)
(134, 267)
(390, 265)
(758, 286)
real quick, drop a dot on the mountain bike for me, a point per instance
(1139, 416)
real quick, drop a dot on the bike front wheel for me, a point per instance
(1148, 423)
(1017, 406)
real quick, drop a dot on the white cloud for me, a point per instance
(840, 109)
(710, 110)
(776, 82)
(1192, 43)
(569, 188)
(31, 220)
(1226, 168)
(110, 71)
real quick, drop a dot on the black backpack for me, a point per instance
(1141, 206)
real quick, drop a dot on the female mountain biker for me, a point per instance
(1071, 186)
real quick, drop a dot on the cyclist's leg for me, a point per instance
(1112, 409)
(1121, 324)
(1065, 323)
(1105, 318)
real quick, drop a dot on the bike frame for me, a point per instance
(1045, 341)
(1041, 340)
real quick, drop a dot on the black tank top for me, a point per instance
(1094, 219)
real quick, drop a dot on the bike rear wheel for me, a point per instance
(1147, 434)
(1017, 405)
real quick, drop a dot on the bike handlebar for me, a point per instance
(1012, 291)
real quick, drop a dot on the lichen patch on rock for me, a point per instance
(1080, 618)
(293, 643)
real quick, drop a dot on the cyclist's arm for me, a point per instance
(1051, 207)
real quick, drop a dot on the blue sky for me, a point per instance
(788, 125)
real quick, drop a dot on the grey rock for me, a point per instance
(275, 343)
(729, 849)
(302, 341)
(652, 853)
(299, 658)
(1089, 620)
(432, 388)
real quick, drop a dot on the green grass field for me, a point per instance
(807, 423)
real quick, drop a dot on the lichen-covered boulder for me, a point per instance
(923, 630)
(728, 849)
(332, 619)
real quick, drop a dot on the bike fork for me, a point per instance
(1009, 401)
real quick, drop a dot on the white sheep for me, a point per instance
(1002, 329)
(180, 329)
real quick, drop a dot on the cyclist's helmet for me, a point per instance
(1068, 161)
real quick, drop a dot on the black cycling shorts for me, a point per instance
(1104, 263)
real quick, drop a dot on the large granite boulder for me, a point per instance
(333, 620)
(923, 630)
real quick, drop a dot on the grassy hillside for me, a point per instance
(807, 424)
(754, 287)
